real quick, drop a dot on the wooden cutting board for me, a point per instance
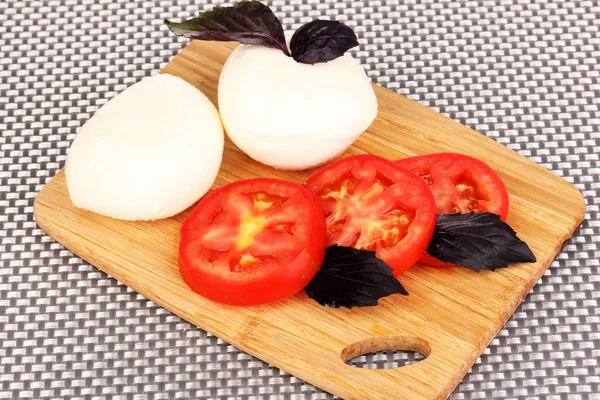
(450, 316)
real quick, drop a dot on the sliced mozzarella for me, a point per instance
(149, 153)
(291, 115)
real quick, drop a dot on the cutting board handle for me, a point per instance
(395, 342)
(402, 382)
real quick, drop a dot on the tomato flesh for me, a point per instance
(372, 204)
(355, 220)
(246, 243)
(460, 184)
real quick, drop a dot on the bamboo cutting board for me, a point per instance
(450, 316)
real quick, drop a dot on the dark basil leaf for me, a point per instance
(321, 41)
(247, 22)
(477, 241)
(352, 278)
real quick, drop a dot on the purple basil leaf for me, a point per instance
(477, 241)
(247, 22)
(321, 41)
(352, 278)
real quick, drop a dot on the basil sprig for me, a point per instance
(253, 23)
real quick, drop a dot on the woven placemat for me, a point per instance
(525, 73)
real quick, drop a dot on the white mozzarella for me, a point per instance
(149, 153)
(291, 115)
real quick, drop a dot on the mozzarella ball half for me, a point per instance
(149, 153)
(291, 115)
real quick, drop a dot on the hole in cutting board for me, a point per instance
(386, 352)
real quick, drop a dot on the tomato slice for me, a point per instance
(460, 184)
(252, 242)
(373, 204)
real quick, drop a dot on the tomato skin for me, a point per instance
(279, 283)
(445, 172)
(431, 261)
(362, 191)
(443, 167)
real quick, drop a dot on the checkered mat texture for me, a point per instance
(525, 73)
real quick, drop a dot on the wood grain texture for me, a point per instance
(451, 315)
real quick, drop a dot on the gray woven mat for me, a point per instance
(525, 73)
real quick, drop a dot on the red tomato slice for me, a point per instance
(253, 242)
(460, 184)
(372, 204)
